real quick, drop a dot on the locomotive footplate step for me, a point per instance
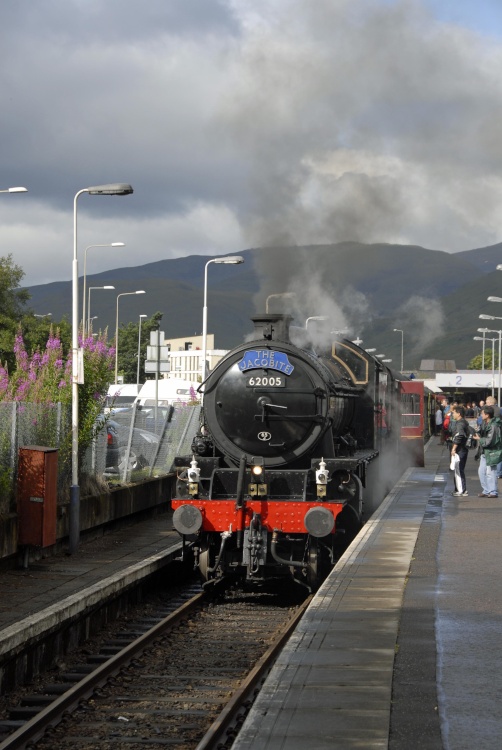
(400, 646)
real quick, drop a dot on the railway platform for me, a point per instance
(55, 589)
(400, 647)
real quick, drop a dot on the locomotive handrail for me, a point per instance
(290, 417)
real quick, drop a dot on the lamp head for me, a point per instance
(108, 287)
(17, 190)
(233, 259)
(140, 291)
(117, 188)
(117, 244)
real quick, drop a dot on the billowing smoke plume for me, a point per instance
(423, 319)
(365, 121)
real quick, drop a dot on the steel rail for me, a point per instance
(227, 716)
(36, 727)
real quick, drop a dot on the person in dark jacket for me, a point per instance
(489, 441)
(459, 433)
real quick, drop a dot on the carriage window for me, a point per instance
(410, 410)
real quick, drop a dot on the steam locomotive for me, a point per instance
(287, 461)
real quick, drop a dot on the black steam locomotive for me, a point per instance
(276, 482)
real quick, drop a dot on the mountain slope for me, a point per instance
(389, 278)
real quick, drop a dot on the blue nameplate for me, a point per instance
(266, 359)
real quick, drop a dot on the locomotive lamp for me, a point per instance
(193, 477)
(257, 488)
(322, 478)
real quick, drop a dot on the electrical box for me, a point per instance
(37, 495)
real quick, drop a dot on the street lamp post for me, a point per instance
(139, 347)
(15, 190)
(74, 520)
(109, 244)
(479, 338)
(123, 294)
(88, 322)
(286, 295)
(488, 330)
(45, 315)
(315, 317)
(398, 330)
(231, 260)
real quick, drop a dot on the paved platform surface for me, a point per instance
(53, 588)
(401, 647)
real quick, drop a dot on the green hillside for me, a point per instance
(435, 297)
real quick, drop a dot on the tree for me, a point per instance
(12, 303)
(476, 362)
(128, 347)
(12, 299)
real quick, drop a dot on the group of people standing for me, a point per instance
(486, 437)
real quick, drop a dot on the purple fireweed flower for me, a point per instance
(53, 342)
(58, 364)
(61, 383)
(21, 390)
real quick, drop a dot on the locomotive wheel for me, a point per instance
(206, 561)
(319, 563)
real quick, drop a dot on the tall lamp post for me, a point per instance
(479, 338)
(88, 321)
(494, 317)
(77, 377)
(398, 330)
(122, 294)
(109, 244)
(315, 317)
(139, 348)
(285, 295)
(230, 260)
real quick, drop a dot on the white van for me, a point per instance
(170, 391)
(120, 396)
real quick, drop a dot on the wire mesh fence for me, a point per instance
(130, 444)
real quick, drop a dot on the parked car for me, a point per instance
(143, 447)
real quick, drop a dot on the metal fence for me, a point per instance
(130, 444)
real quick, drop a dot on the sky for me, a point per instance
(247, 123)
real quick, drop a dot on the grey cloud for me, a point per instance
(303, 122)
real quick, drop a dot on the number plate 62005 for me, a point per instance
(266, 381)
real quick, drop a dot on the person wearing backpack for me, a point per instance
(460, 435)
(489, 439)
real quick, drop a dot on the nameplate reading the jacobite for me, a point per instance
(266, 359)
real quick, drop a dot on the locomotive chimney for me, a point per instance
(272, 327)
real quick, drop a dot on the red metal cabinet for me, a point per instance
(37, 495)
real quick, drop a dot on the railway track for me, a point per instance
(180, 685)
